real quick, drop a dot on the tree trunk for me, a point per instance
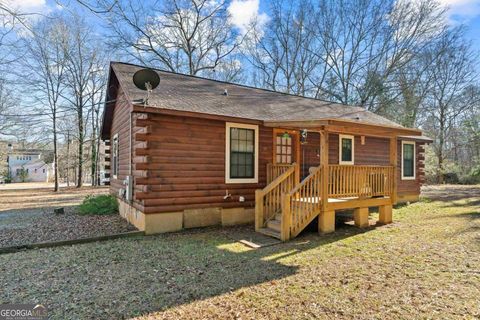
(55, 152)
(80, 146)
(68, 158)
(441, 142)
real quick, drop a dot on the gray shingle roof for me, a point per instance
(195, 94)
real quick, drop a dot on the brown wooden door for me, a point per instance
(285, 146)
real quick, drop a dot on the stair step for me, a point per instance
(275, 225)
(270, 232)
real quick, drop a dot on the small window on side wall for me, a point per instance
(115, 156)
(408, 160)
(346, 149)
(241, 165)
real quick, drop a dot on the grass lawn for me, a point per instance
(425, 265)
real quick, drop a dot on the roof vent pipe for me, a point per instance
(225, 93)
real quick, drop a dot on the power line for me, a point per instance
(51, 113)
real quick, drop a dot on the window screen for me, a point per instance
(242, 153)
(347, 149)
(408, 160)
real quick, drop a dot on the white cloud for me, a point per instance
(29, 6)
(462, 10)
(244, 12)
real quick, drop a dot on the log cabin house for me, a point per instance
(206, 152)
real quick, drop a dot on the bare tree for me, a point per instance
(8, 116)
(96, 93)
(83, 62)
(46, 61)
(186, 36)
(366, 42)
(452, 78)
(284, 54)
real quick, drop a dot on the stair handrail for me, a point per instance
(273, 191)
(296, 215)
(305, 181)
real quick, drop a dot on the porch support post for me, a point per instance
(258, 209)
(360, 216)
(326, 218)
(286, 218)
(385, 216)
(393, 162)
(324, 166)
(326, 221)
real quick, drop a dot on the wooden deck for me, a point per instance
(284, 208)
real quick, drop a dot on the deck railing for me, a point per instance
(268, 200)
(360, 181)
(300, 203)
(277, 169)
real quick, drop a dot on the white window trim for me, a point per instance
(414, 160)
(228, 126)
(345, 136)
(112, 169)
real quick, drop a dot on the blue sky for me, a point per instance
(465, 12)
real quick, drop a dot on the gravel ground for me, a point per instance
(26, 216)
(426, 265)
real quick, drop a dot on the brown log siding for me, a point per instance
(375, 151)
(186, 165)
(179, 162)
(120, 126)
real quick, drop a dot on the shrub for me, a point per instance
(98, 205)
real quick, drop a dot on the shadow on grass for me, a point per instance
(468, 203)
(452, 193)
(131, 277)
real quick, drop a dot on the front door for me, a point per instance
(285, 146)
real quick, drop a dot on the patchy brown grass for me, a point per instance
(12, 199)
(424, 266)
(26, 216)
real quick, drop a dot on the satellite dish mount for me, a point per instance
(147, 80)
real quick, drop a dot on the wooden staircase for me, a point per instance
(286, 206)
(273, 227)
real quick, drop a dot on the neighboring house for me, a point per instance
(26, 165)
(206, 152)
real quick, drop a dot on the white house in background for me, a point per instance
(27, 165)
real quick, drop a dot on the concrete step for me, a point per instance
(274, 225)
(270, 232)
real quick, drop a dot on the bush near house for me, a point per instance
(98, 205)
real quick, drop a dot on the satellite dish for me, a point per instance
(146, 79)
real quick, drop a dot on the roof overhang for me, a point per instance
(421, 138)
(345, 126)
(109, 104)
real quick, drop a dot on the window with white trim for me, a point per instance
(241, 153)
(408, 160)
(115, 156)
(346, 147)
